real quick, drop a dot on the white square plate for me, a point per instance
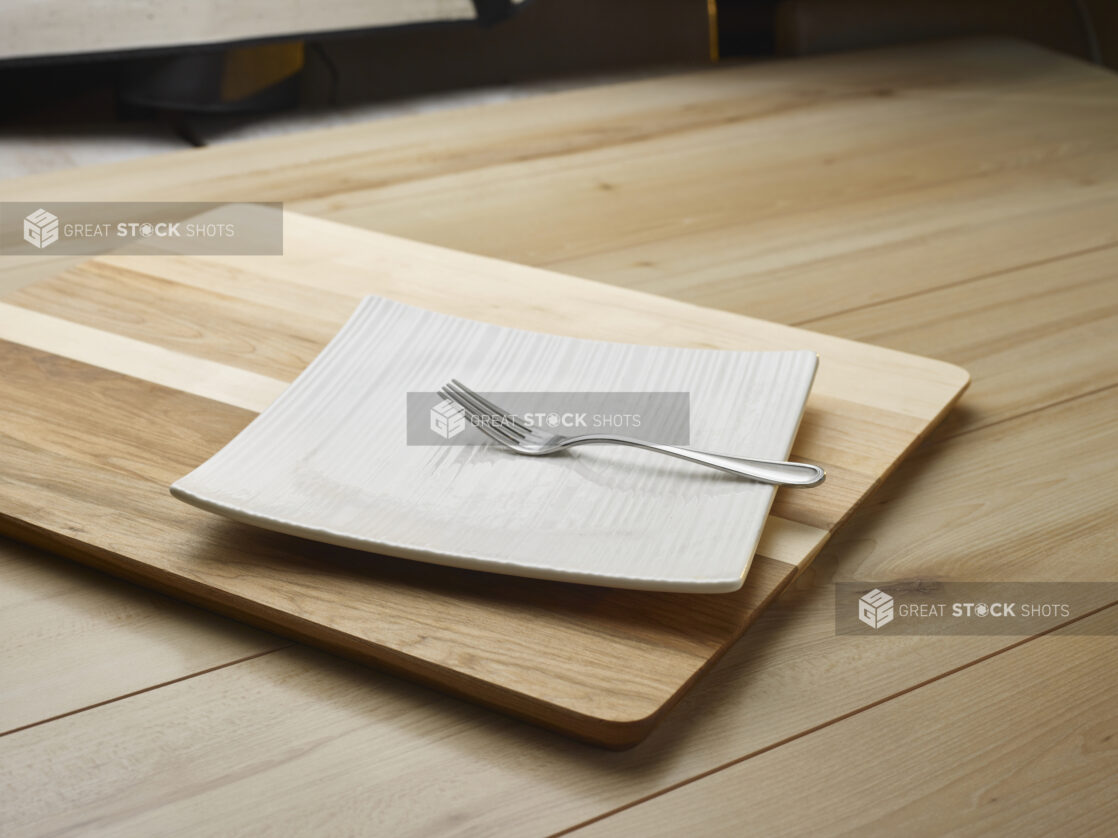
(329, 459)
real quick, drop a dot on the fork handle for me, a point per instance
(776, 472)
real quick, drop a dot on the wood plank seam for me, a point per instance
(309, 207)
(968, 665)
(938, 438)
(956, 284)
(122, 696)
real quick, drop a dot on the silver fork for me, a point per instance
(509, 430)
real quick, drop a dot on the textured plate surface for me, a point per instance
(329, 460)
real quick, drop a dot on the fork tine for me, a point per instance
(492, 420)
(493, 431)
(506, 421)
(477, 397)
(492, 434)
(477, 419)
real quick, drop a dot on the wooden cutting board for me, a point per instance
(124, 373)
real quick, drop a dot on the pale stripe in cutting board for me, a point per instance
(138, 359)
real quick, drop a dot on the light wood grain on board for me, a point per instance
(1001, 751)
(128, 356)
(852, 434)
(624, 661)
(211, 323)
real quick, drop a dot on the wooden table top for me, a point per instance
(954, 200)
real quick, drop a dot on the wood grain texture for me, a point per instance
(285, 742)
(128, 356)
(1030, 337)
(744, 188)
(76, 433)
(1027, 761)
(52, 613)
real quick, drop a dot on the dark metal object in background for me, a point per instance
(492, 11)
(241, 79)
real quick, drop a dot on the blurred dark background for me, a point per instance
(200, 93)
